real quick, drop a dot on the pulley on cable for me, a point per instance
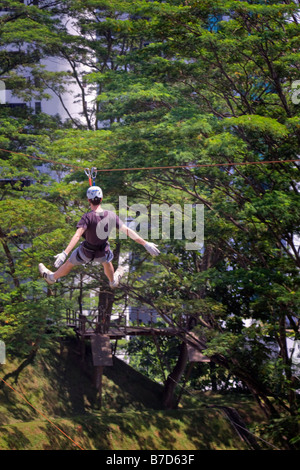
(91, 173)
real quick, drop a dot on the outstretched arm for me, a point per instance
(150, 247)
(74, 240)
(133, 235)
(61, 257)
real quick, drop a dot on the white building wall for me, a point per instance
(68, 105)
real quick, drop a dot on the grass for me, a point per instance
(144, 430)
(130, 418)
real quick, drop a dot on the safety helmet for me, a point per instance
(94, 192)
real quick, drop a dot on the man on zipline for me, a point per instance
(95, 227)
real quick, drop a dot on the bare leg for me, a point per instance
(63, 270)
(67, 267)
(109, 271)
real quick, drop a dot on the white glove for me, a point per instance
(60, 259)
(152, 248)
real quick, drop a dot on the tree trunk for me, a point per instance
(168, 400)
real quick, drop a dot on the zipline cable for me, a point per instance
(186, 166)
(196, 165)
(42, 414)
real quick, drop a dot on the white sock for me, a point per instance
(51, 277)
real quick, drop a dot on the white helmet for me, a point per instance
(93, 192)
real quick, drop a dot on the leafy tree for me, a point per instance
(27, 35)
(180, 87)
(219, 92)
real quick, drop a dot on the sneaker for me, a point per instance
(117, 277)
(45, 273)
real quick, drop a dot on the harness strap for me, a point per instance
(93, 248)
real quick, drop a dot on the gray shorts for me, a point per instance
(77, 257)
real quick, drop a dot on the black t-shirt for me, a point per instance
(98, 226)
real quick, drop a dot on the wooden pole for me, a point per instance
(98, 382)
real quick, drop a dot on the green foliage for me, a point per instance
(176, 86)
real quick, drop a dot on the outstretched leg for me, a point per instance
(113, 276)
(51, 277)
(63, 270)
(109, 271)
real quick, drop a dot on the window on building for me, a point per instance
(38, 107)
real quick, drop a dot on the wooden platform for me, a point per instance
(122, 332)
(86, 326)
(92, 327)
